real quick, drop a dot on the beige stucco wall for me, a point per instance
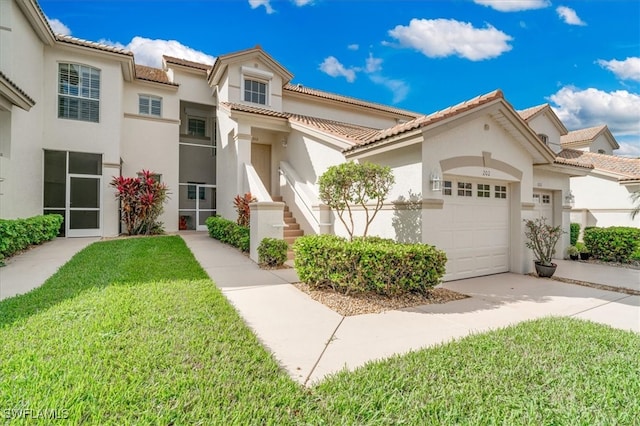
(21, 60)
(152, 143)
(543, 124)
(233, 88)
(602, 201)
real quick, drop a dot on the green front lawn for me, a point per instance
(133, 332)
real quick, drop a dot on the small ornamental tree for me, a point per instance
(241, 202)
(542, 239)
(141, 202)
(347, 185)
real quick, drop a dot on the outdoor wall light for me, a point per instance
(570, 199)
(436, 181)
(284, 142)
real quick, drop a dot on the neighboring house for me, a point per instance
(601, 197)
(75, 113)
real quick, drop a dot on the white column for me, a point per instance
(266, 221)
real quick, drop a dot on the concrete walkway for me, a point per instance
(311, 341)
(610, 276)
(32, 268)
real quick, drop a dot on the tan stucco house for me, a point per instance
(75, 113)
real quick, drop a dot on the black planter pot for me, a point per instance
(585, 256)
(545, 271)
(574, 256)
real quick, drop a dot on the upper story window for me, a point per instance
(78, 92)
(601, 151)
(150, 105)
(255, 91)
(196, 126)
(544, 138)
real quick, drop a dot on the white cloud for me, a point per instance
(569, 16)
(629, 69)
(373, 64)
(399, 88)
(302, 2)
(514, 5)
(437, 38)
(353, 46)
(592, 107)
(58, 27)
(266, 3)
(149, 52)
(334, 68)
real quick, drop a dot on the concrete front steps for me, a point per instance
(292, 231)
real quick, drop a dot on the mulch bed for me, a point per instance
(372, 303)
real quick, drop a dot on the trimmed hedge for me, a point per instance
(272, 252)
(229, 232)
(368, 264)
(574, 232)
(616, 243)
(18, 234)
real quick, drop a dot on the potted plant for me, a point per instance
(573, 252)
(542, 239)
(583, 250)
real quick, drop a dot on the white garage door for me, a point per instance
(475, 229)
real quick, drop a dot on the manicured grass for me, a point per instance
(133, 332)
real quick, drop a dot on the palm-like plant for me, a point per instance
(635, 198)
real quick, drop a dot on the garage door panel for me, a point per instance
(475, 234)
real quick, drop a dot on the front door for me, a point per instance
(84, 205)
(205, 205)
(261, 161)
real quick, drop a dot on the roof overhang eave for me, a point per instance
(15, 96)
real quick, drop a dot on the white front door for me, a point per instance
(543, 205)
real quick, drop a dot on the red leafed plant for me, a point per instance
(141, 202)
(241, 202)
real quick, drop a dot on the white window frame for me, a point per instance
(483, 190)
(465, 189)
(500, 191)
(206, 126)
(447, 187)
(544, 138)
(148, 103)
(260, 76)
(84, 95)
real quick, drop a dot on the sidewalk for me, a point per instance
(32, 268)
(599, 274)
(311, 341)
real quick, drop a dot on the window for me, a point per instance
(601, 151)
(484, 190)
(197, 127)
(500, 191)
(546, 199)
(465, 189)
(446, 187)
(191, 192)
(157, 177)
(255, 91)
(536, 198)
(78, 92)
(544, 138)
(150, 105)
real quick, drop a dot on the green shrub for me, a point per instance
(574, 232)
(228, 232)
(272, 252)
(18, 234)
(616, 243)
(368, 264)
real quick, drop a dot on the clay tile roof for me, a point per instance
(152, 74)
(352, 132)
(526, 114)
(349, 132)
(298, 88)
(186, 63)
(92, 44)
(577, 137)
(427, 120)
(628, 168)
(254, 110)
(16, 87)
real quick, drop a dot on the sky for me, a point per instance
(582, 57)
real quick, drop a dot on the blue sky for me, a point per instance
(582, 57)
